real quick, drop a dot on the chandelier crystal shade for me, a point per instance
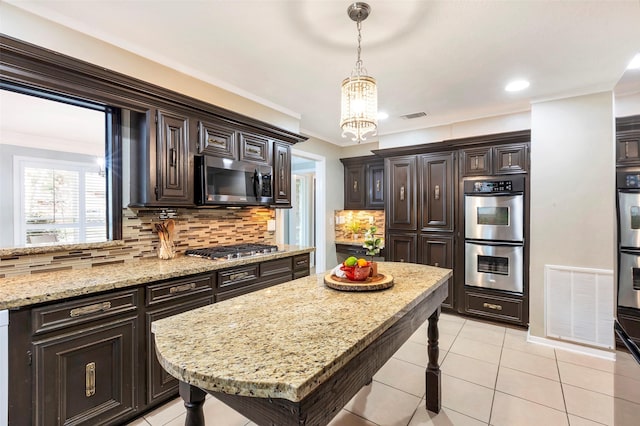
(359, 106)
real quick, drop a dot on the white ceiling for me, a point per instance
(450, 59)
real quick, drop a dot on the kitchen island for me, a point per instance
(298, 352)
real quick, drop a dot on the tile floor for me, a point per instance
(490, 376)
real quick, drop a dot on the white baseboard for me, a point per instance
(584, 350)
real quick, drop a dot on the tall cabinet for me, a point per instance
(424, 204)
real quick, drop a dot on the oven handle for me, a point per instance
(495, 243)
(493, 194)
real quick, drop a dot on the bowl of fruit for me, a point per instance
(356, 269)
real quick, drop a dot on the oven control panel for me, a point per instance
(513, 185)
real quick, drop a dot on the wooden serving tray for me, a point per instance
(379, 282)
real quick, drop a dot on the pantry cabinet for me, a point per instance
(400, 211)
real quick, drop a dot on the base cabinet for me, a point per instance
(401, 247)
(495, 306)
(437, 250)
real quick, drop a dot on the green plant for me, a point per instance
(372, 243)
(354, 227)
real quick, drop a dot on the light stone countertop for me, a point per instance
(284, 341)
(26, 290)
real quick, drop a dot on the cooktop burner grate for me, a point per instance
(234, 251)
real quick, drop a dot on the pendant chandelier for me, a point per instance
(359, 106)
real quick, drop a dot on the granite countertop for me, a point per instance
(266, 343)
(26, 290)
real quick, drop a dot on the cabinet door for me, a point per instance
(282, 174)
(354, 187)
(401, 247)
(174, 165)
(476, 161)
(510, 159)
(437, 250)
(401, 195)
(217, 140)
(628, 148)
(375, 185)
(160, 384)
(88, 376)
(255, 148)
(436, 189)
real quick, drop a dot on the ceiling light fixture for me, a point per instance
(517, 85)
(359, 106)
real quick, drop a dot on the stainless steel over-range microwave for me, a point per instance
(222, 181)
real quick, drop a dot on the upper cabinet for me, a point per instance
(282, 174)
(255, 148)
(401, 193)
(217, 140)
(363, 183)
(496, 160)
(436, 200)
(628, 141)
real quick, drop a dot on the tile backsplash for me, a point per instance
(347, 220)
(195, 228)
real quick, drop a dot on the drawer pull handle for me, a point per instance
(301, 262)
(90, 379)
(492, 306)
(402, 193)
(238, 276)
(182, 287)
(436, 192)
(436, 264)
(510, 162)
(378, 185)
(475, 166)
(173, 158)
(355, 185)
(90, 309)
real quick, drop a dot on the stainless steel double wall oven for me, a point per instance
(494, 233)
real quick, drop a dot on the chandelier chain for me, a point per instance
(359, 61)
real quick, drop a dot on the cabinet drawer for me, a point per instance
(175, 289)
(276, 268)
(237, 277)
(301, 261)
(67, 314)
(301, 274)
(498, 307)
(255, 148)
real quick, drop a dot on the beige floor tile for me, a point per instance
(165, 413)
(446, 417)
(470, 369)
(579, 421)
(586, 378)
(452, 317)
(493, 335)
(588, 404)
(585, 360)
(476, 322)
(516, 331)
(178, 421)
(138, 422)
(533, 364)
(346, 418)
(402, 375)
(420, 335)
(625, 413)
(626, 365)
(626, 388)
(466, 397)
(519, 343)
(218, 413)
(415, 353)
(532, 388)
(476, 349)
(450, 327)
(509, 410)
(383, 405)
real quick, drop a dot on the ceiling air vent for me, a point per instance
(414, 115)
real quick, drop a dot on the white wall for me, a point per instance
(572, 190)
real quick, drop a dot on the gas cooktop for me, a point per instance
(234, 251)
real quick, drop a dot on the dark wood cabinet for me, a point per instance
(363, 183)
(85, 354)
(476, 161)
(494, 305)
(437, 250)
(401, 194)
(436, 189)
(301, 265)
(401, 247)
(628, 141)
(495, 160)
(255, 148)
(164, 299)
(282, 174)
(217, 140)
(174, 165)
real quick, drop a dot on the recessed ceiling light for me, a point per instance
(382, 115)
(517, 85)
(635, 63)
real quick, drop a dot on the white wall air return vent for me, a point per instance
(579, 304)
(414, 115)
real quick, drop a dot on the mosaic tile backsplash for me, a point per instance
(195, 228)
(348, 221)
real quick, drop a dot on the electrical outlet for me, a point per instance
(271, 225)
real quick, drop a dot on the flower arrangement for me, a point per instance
(354, 227)
(372, 243)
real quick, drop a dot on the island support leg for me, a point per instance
(433, 368)
(193, 400)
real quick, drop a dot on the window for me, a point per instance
(59, 202)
